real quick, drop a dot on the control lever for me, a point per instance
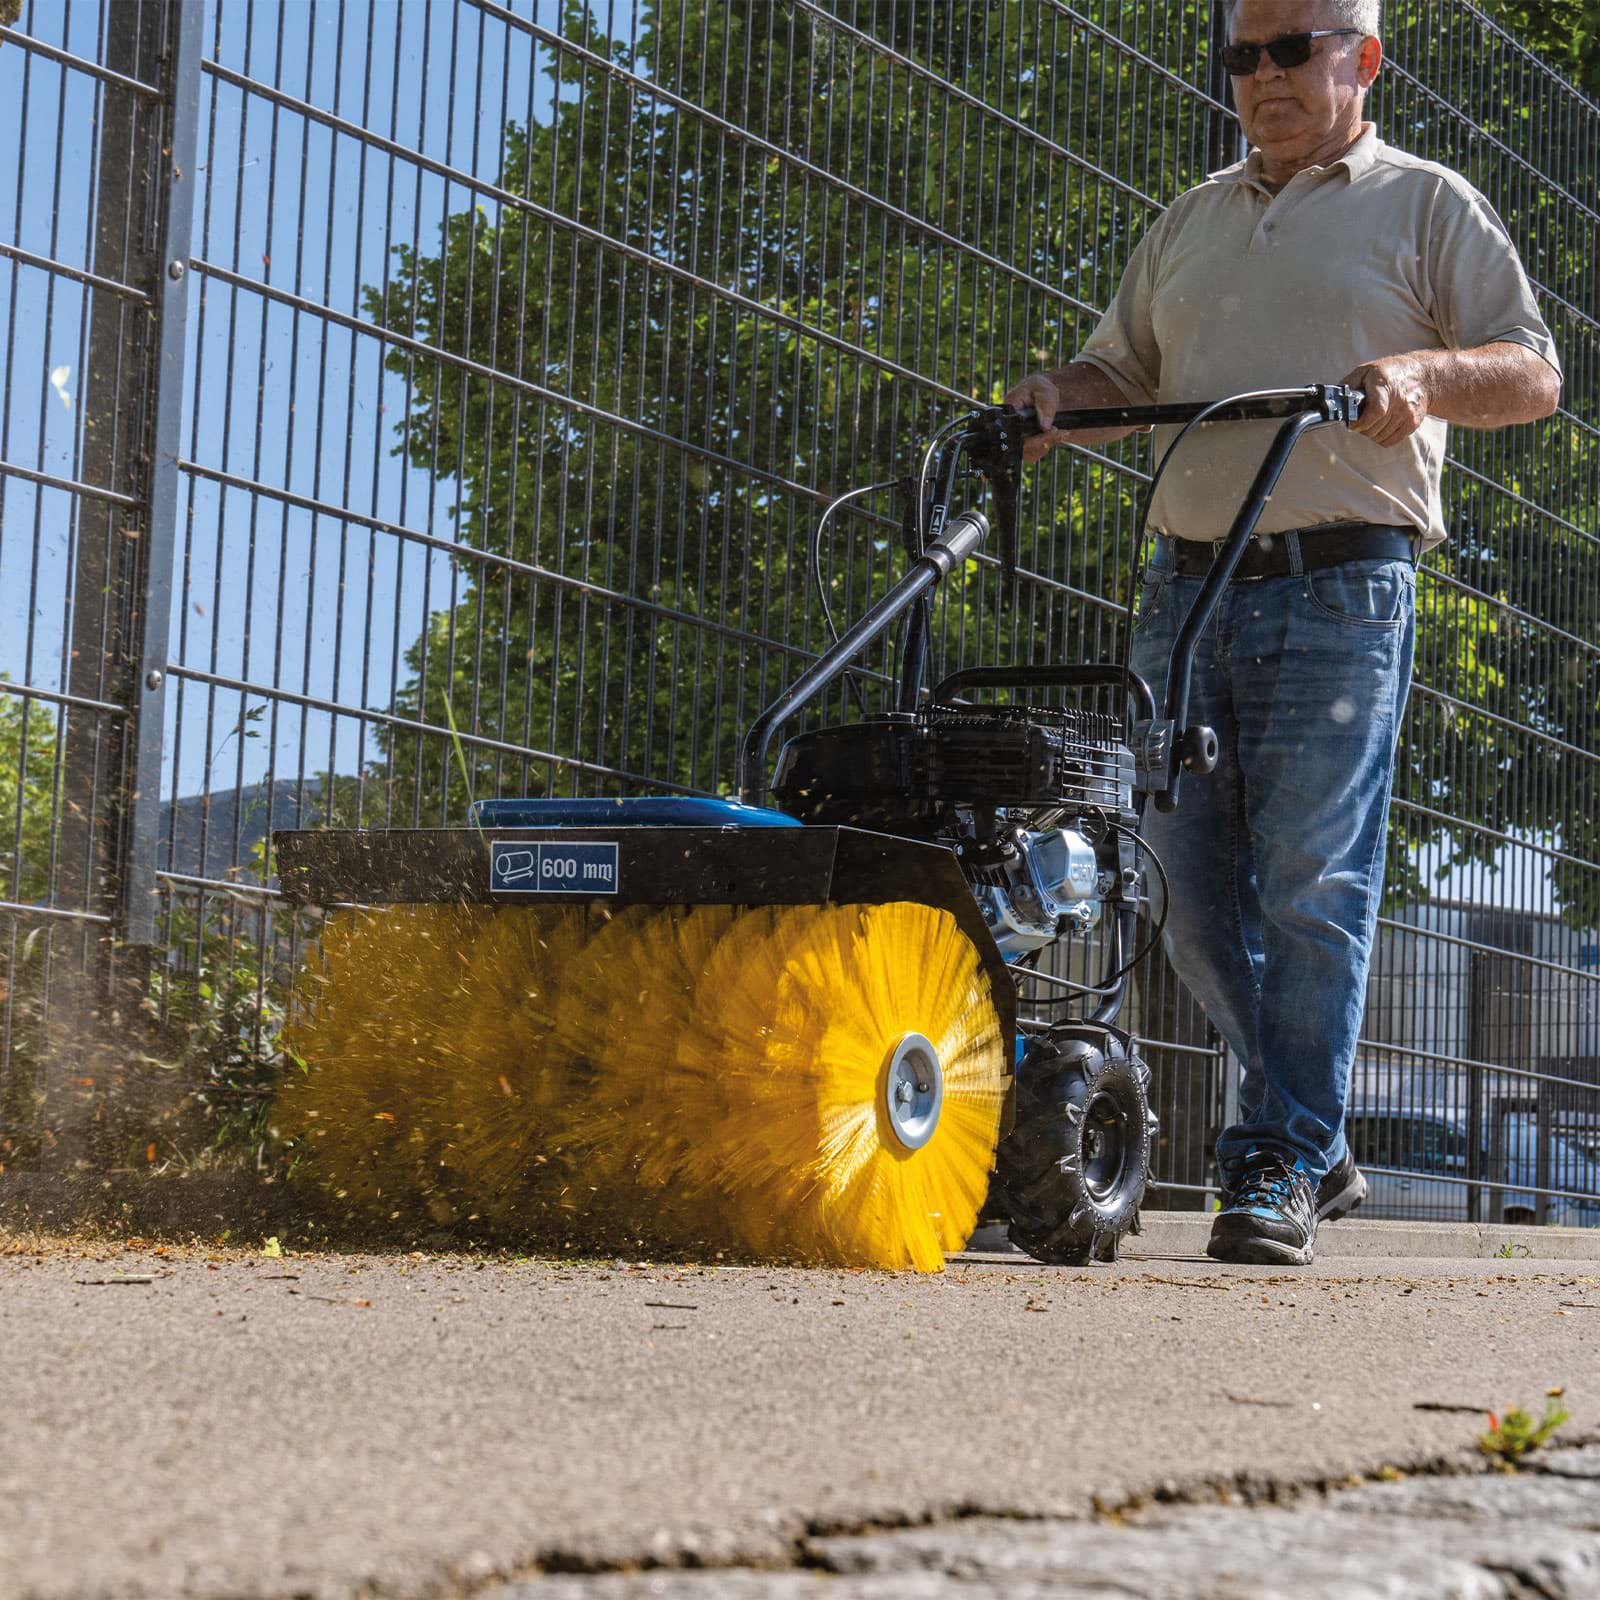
(994, 442)
(1160, 748)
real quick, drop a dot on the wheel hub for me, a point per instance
(1104, 1147)
(913, 1090)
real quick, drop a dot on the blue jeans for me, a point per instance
(1275, 861)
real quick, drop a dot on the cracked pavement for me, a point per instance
(1461, 1539)
(324, 1425)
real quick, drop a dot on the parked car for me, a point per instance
(1426, 1154)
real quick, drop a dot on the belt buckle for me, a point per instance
(1260, 542)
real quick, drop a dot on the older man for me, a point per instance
(1326, 254)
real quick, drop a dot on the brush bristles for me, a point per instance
(688, 1078)
(822, 1000)
(434, 1088)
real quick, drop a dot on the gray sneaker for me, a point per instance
(1341, 1191)
(1269, 1216)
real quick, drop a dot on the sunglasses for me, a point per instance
(1292, 50)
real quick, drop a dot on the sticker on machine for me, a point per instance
(577, 868)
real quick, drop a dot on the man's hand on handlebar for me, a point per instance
(1397, 399)
(1078, 387)
(1040, 392)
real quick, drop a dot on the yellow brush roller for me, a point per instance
(502, 1146)
(366, 1110)
(817, 1083)
(632, 1124)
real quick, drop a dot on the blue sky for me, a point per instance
(275, 394)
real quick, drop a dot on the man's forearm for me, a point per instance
(1489, 386)
(1084, 388)
(1492, 386)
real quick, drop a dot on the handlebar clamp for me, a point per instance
(1151, 742)
(1340, 403)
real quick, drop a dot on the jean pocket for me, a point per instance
(1152, 596)
(1366, 594)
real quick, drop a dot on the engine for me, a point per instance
(1036, 803)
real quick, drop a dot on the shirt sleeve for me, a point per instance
(1480, 292)
(1124, 345)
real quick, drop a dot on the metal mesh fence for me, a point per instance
(514, 350)
(85, 113)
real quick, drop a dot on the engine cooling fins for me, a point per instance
(819, 1083)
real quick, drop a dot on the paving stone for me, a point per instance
(731, 1584)
(792, 1585)
(1538, 1557)
(1539, 1498)
(1196, 1553)
(1579, 1461)
(1482, 1538)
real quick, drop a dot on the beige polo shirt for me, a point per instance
(1235, 288)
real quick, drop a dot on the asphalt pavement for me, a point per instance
(206, 1420)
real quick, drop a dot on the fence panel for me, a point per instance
(525, 342)
(1482, 1051)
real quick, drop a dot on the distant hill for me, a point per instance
(210, 835)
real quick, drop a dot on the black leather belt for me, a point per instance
(1267, 555)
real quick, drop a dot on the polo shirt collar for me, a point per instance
(1360, 158)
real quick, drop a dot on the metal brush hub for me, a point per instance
(913, 1090)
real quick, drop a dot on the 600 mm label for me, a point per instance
(576, 868)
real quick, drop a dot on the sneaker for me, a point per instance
(1269, 1216)
(1341, 1191)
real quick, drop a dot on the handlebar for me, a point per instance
(991, 441)
(1333, 401)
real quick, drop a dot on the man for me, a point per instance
(1326, 255)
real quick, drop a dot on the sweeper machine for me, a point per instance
(790, 1031)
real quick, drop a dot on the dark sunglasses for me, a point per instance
(1292, 50)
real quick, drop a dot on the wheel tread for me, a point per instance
(1040, 1182)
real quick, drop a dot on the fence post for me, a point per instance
(114, 391)
(1224, 139)
(121, 581)
(141, 832)
(132, 395)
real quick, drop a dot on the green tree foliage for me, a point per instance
(28, 761)
(648, 358)
(832, 342)
(1564, 32)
